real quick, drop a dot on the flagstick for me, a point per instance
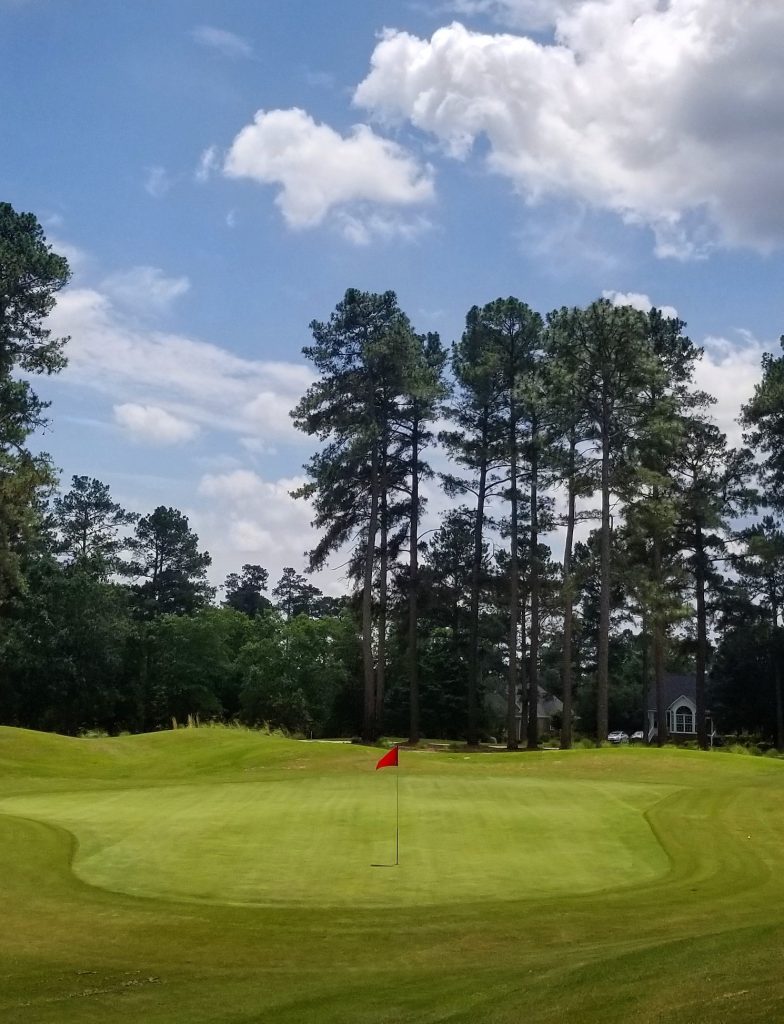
(397, 815)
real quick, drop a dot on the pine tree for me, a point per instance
(31, 275)
(573, 469)
(89, 525)
(713, 485)
(245, 591)
(424, 389)
(360, 355)
(294, 595)
(476, 445)
(613, 361)
(166, 557)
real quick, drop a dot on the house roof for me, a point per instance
(548, 704)
(675, 686)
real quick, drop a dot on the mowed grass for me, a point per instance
(218, 875)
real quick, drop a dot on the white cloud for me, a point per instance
(209, 164)
(362, 228)
(730, 371)
(567, 241)
(523, 14)
(229, 44)
(77, 258)
(145, 288)
(257, 520)
(668, 114)
(157, 182)
(190, 379)
(257, 446)
(320, 171)
(638, 300)
(153, 425)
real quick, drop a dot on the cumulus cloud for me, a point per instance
(192, 380)
(141, 288)
(77, 257)
(638, 300)
(730, 370)
(668, 114)
(153, 425)
(320, 171)
(228, 44)
(256, 520)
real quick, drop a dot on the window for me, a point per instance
(684, 719)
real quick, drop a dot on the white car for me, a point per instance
(638, 737)
(618, 737)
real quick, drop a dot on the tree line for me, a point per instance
(581, 423)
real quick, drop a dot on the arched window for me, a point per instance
(684, 719)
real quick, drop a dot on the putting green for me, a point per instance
(327, 840)
(218, 876)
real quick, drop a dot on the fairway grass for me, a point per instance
(219, 875)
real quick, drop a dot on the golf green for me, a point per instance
(219, 875)
(322, 840)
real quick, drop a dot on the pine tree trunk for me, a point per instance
(779, 703)
(413, 586)
(658, 646)
(523, 666)
(603, 653)
(658, 682)
(778, 695)
(382, 591)
(369, 708)
(533, 668)
(568, 599)
(474, 667)
(645, 694)
(514, 583)
(702, 637)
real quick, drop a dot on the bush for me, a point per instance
(742, 748)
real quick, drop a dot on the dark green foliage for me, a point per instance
(191, 667)
(245, 591)
(763, 418)
(30, 277)
(293, 672)
(166, 556)
(65, 654)
(742, 689)
(295, 596)
(88, 525)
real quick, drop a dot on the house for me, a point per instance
(680, 699)
(547, 706)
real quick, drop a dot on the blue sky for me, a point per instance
(220, 174)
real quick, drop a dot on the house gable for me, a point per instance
(680, 701)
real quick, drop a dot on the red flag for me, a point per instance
(389, 760)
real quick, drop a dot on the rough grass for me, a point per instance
(223, 876)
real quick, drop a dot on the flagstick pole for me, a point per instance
(397, 815)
